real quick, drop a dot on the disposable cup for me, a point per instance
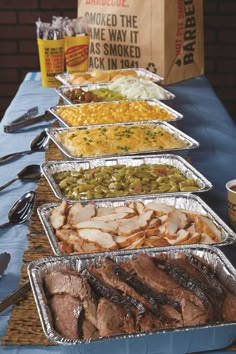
(231, 190)
(51, 59)
(77, 53)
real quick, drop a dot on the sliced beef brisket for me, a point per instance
(143, 294)
(66, 311)
(131, 285)
(159, 280)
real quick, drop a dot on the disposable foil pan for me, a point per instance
(189, 142)
(175, 116)
(63, 90)
(50, 167)
(178, 341)
(189, 202)
(65, 79)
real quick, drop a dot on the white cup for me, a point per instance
(231, 190)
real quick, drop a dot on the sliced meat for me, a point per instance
(229, 307)
(90, 305)
(128, 227)
(176, 221)
(156, 241)
(104, 211)
(207, 274)
(79, 213)
(64, 234)
(148, 322)
(159, 208)
(97, 224)
(180, 218)
(111, 216)
(113, 319)
(158, 280)
(89, 330)
(201, 281)
(72, 284)
(102, 239)
(136, 244)
(66, 311)
(111, 274)
(193, 238)
(185, 279)
(193, 315)
(154, 223)
(206, 239)
(125, 209)
(68, 282)
(180, 237)
(138, 207)
(152, 232)
(90, 247)
(171, 227)
(65, 247)
(73, 212)
(57, 216)
(204, 225)
(123, 241)
(171, 312)
(135, 224)
(111, 294)
(117, 278)
(141, 294)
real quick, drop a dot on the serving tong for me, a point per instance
(4, 260)
(26, 119)
(14, 297)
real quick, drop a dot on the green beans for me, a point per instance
(122, 180)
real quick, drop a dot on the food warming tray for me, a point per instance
(172, 341)
(51, 167)
(187, 202)
(63, 90)
(142, 74)
(174, 115)
(189, 142)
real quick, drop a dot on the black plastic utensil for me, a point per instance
(15, 296)
(29, 173)
(26, 122)
(4, 260)
(21, 209)
(32, 112)
(39, 143)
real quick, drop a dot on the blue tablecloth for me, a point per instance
(205, 119)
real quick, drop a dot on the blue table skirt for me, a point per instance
(205, 119)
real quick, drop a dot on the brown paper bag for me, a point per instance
(163, 36)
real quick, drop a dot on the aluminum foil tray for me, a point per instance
(174, 114)
(188, 141)
(142, 74)
(178, 341)
(62, 91)
(189, 202)
(50, 167)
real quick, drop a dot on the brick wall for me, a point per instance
(18, 47)
(220, 50)
(18, 50)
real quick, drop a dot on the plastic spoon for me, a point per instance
(29, 173)
(37, 144)
(21, 209)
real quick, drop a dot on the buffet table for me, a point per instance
(205, 120)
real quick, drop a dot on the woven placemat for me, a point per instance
(24, 327)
